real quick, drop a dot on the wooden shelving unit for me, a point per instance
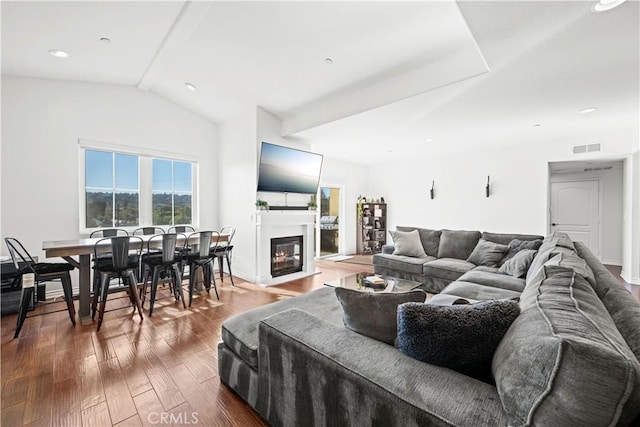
(372, 227)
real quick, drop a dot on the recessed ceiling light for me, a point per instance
(604, 5)
(190, 86)
(389, 151)
(536, 125)
(58, 53)
(588, 110)
(328, 61)
(429, 140)
(105, 39)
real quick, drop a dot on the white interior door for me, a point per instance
(575, 210)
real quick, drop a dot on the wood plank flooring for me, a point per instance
(161, 371)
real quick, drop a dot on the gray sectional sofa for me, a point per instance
(570, 358)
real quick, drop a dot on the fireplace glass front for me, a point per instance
(286, 255)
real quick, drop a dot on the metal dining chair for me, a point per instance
(166, 261)
(200, 256)
(123, 265)
(181, 229)
(148, 231)
(223, 250)
(42, 272)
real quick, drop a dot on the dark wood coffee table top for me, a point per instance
(358, 283)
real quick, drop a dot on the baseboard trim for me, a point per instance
(617, 263)
(631, 280)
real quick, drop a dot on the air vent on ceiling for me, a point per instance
(587, 148)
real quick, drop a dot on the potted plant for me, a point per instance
(262, 205)
(312, 205)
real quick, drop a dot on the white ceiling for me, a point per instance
(463, 74)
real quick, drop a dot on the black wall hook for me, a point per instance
(432, 192)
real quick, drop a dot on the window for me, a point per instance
(127, 187)
(172, 192)
(112, 190)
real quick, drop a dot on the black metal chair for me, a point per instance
(123, 265)
(104, 258)
(42, 272)
(223, 250)
(200, 256)
(181, 229)
(148, 231)
(167, 262)
(108, 232)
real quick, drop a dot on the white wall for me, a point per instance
(631, 235)
(611, 191)
(519, 189)
(42, 121)
(237, 171)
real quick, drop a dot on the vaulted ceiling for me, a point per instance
(366, 81)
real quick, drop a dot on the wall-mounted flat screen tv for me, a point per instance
(288, 170)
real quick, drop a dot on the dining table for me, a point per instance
(84, 248)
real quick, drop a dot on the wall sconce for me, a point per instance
(488, 188)
(432, 191)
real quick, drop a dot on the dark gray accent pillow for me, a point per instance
(374, 314)
(407, 243)
(459, 337)
(517, 245)
(457, 243)
(430, 239)
(487, 253)
(519, 264)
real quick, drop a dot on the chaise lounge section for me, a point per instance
(570, 358)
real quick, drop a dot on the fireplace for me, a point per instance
(287, 255)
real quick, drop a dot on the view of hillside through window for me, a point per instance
(172, 192)
(111, 189)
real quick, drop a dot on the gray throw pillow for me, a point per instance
(457, 244)
(430, 239)
(487, 253)
(407, 243)
(459, 337)
(519, 264)
(517, 245)
(374, 314)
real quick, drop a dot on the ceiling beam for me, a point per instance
(186, 22)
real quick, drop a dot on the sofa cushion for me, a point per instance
(430, 239)
(358, 308)
(457, 243)
(505, 238)
(487, 253)
(478, 292)
(406, 264)
(517, 245)
(459, 337)
(446, 268)
(562, 239)
(495, 280)
(563, 361)
(567, 258)
(541, 257)
(407, 243)
(240, 333)
(519, 264)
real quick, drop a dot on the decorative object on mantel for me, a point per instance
(262, 205)
(488, 187)
(312, 205)
(432, 192)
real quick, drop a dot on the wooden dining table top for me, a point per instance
(85, 246)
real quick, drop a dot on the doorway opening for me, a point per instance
(328, 230)
(586, 201)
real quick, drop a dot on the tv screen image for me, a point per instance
(288, 170)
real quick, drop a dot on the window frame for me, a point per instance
(145, 184)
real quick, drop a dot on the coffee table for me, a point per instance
(357, 282)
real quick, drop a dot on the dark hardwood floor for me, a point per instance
(161, 371)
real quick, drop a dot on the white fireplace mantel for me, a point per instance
(273, 224)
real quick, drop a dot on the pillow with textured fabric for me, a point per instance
(519, 264)
(487, 253)
(407, 243)
(374, 314)
(459, 337)
(457, 244)
(517, 245)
